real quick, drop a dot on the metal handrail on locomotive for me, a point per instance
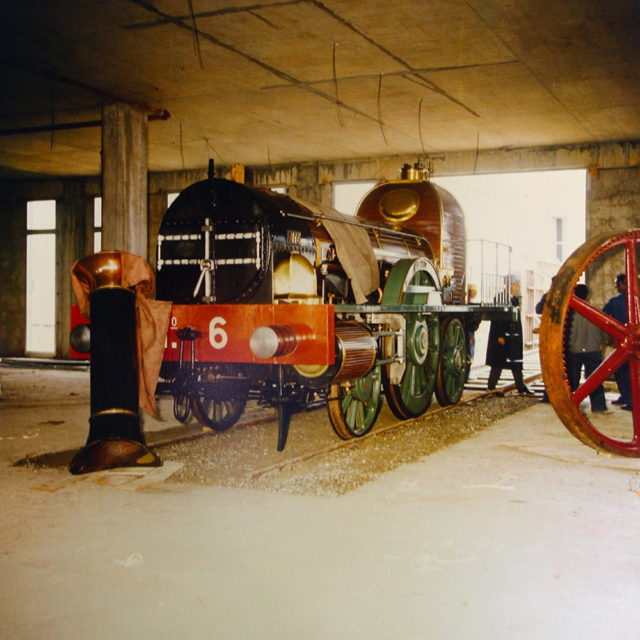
(296, 305)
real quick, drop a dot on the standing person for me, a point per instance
(585, 340)
(539, 308)
(472, 292)
(504, 350)
(617, 309)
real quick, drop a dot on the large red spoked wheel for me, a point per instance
(618, 432)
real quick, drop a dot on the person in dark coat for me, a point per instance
(617, 309)
(585, 341)
(504, 350)
(472, 292)
(539, 308)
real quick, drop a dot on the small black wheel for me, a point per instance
(181, 407)
(219, 395)
(218, 415)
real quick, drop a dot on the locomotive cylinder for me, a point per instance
(356, 350)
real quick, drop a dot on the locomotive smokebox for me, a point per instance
(115, 434)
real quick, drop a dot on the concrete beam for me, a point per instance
(606, 155)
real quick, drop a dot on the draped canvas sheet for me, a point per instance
(353, 248)
(152, 322)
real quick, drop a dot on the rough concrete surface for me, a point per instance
(517, 532)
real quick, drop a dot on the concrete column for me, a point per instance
(13, 267)
(124, 178)
(157, 208)
(74, 240)
(308, 186)
(613, 204)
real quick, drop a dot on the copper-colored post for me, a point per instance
(115, 433)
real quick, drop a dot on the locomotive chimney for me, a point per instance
(415, 173)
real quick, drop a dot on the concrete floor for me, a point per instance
(519, 532)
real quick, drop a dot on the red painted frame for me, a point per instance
(226, 330)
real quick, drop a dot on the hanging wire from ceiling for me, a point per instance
(475, 160)
(380, 109)
(335, 86)
(210, 148)
(181, 148)
(424, 153)
(196, 39)
(52, 114)
(269, 160)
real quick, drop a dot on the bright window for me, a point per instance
(41, 277)
(559, 239)
(97, 224)
(347, 195)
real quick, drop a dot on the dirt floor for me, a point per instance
(315, 461)
(248, 460)
(511, 529)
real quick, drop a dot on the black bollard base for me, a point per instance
(100, 455)
(115, 432)
(115, 440)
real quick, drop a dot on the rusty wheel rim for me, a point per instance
(625, 338)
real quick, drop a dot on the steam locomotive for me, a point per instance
(296, 305)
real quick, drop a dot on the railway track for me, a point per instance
(344, 444)
(246, 454)
(316, 462)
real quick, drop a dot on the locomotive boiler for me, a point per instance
(295, 305)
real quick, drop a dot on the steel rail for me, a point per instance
(344, 444)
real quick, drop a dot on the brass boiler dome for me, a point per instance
(418, 204)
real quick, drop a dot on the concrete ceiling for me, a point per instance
(262, 82)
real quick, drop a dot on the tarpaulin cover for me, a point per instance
(353, 248)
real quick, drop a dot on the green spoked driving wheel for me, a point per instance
(411, 397)
(409, 384)
(354, 406)
(453, 362)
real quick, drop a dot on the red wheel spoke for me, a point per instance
(634, 376)
(633, 312)
(602, 373)
(614, 328)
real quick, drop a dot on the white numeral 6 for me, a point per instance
(217, 335)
